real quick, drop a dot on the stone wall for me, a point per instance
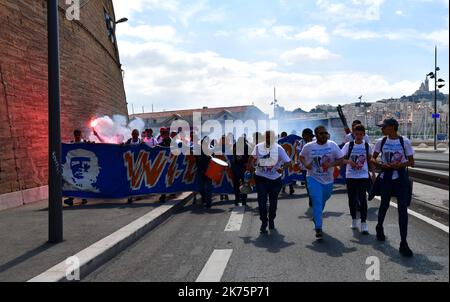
(91, 83)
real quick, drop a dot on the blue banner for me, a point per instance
(115, 171)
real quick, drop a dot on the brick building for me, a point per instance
(91, 84)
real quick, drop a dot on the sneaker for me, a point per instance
(319, 234)
(405, 250)
(271, 225)
(162, 198)
(380, 233)
(364, 228)
(69, 202)
(130, 200)
(291, 191)
(263, 228)
(354, 225)
(84, 202)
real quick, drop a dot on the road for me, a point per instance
(184, 248)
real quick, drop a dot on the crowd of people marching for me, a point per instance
(318, 157)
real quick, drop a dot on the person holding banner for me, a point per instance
(77, 139)
(320, 158)
(271, 160)
(149, 140)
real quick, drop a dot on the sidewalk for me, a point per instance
(24, 251)
(434, 197)
(431, 150)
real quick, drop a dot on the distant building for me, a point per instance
(156, 120)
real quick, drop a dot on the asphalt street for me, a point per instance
(224, 244)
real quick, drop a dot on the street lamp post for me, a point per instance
(274, 103)
(55, 216)
(433, 75)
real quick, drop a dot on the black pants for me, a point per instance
(389, 189)
(237, 192)
(205, 189)
(267, 188)
(356, 190)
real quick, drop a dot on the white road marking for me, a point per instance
(235, 222)
(215, 267)
(433, 222)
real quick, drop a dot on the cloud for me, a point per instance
(350, 11)
(303, 54)
(438, 37)
(170, 78)
(178, 11)
(148, 33)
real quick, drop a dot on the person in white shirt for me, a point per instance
(396, 155)
(320, 158)
(149, 140)
(271, 160)
(351, 136)
(358, 155)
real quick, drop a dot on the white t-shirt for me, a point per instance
(318, 155)
(358, 156)
(300, 145)
(349, 138)
(393, 152)
(268, 161)
(151, 142)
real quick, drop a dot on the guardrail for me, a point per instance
(434, 179)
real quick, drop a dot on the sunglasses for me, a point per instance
(322, 133)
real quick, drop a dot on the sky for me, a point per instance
(185, 54)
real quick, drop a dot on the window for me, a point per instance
(110, 27)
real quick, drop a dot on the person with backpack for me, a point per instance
(396, 155)
(358, 164)
(352, 136)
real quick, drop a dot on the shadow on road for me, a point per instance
(331, 246)
(24, 257)
(419, 264)
(273, 242)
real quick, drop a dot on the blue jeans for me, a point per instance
(319, 194)
(268, 188)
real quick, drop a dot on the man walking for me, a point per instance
(320, 158)
(271, 160)
(396, 155)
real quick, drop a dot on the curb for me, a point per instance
(102, 251)
(430, 151)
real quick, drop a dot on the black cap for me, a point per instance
(308, 131)
(389, 122)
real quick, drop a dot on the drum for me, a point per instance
(215, 169)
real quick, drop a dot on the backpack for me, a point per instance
(376, 189)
